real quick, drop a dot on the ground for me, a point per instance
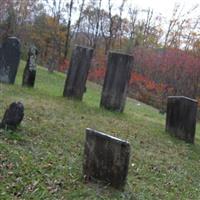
(43, 158)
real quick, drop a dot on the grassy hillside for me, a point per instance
(43, 159)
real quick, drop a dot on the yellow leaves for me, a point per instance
(52, 23)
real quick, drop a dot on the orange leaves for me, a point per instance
(138, 79)
(96, 74)
(64, 65)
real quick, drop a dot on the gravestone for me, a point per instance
(13, 116)
(78, 72)
(116, 81)
(106, 158)
(181, 117)
(9, 60)
(30, 68)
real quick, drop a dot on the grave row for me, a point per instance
(9, 62)
(115, 84)
(116, 79)
(106, 157)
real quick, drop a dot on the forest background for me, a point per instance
(166, 49)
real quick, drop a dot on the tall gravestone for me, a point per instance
(181, 117)
(30, 68)
(116, 81)
(78, 72)
(9, 60)
(106, 158)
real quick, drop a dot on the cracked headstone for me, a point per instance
(30, 68)
(75, 84)
(106, 158)
(13, 116)
(181, 117)
(9, 60)
(116, 81)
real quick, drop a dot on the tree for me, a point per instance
(77, 25)
(97, 25)
(121, 9)
(67, 40)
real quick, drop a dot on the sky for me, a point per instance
(163, 7)
(160, 7)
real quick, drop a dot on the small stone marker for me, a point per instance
(30, 68)
(106, 158)
(9, 60)
(13, 116)
(116, 81)
(78, 72)
(181, 117)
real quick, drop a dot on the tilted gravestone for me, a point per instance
(13, 116)
(9, 60)
(181, 117)
(116, 81)
(78, 72)
(30, 68)
(106, 158)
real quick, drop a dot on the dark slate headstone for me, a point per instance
(106, 158)
(9, 60)
(78, 72)
(30, 68)
(181, 117)
(116, 81)
(13, 116)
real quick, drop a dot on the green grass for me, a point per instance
(43, 158)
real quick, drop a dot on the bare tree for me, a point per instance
(56, 9)
(97, 25)
(121, 9)
(107, 32)
(67, 41)
(192, 36)
(147, 25)
(79, 19)
(133, 14)
(172, 23)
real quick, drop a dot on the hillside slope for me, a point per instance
(43, 159)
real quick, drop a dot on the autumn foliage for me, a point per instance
(157, 73)
(166, 62)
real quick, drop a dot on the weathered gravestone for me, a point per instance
(9, 60)
(116, 81)
(106, 158)
(78, 72)
(30, 68)
(13, 116)
(181, 117)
